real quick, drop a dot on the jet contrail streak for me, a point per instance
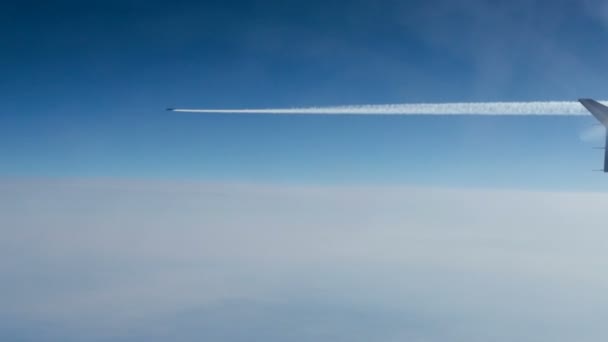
(561, 108)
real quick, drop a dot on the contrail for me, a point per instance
(561, 108)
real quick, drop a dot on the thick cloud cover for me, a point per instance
(119, 260)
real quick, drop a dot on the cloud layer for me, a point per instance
(189, 261)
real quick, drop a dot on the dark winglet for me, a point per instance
(601, 114)
(606, 154)
(597, 109)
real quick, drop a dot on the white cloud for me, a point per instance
(116, 256)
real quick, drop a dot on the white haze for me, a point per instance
(562, 108)
(154, 261)
(593, 134)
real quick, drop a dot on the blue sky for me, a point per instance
(122, 221)
(86, 84)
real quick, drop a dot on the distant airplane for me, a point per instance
(601, 114)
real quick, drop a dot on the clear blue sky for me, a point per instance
(85, 85)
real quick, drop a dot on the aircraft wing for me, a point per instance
(601, 114)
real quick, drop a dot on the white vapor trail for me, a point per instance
(561, 108)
